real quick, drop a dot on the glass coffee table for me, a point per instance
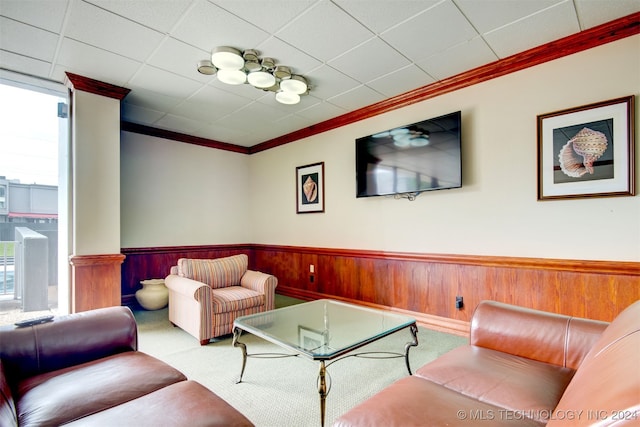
(323, 330)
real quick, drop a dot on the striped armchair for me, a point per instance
(207, 295)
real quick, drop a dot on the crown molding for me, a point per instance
(77, 82)
(181, 137)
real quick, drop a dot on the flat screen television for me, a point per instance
(410, 159)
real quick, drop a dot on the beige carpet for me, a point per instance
(282, 392)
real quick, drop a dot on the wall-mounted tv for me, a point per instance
(410, 159)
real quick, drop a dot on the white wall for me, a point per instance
(251, 199)
(95, 177)
(496, 211)
(177, 194)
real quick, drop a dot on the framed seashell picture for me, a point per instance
(310, 188)
(587, 151)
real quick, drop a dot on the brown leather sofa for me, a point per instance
(522, 367)
(84, 369)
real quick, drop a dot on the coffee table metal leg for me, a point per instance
(236, 335)
(407, 347)
(322, 389)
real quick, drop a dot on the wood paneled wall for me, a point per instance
(94, 280)
(155, 263)
(423, 285)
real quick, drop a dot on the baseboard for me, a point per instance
(436, 323)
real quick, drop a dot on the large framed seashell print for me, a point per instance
(587, 151)
(310, 188)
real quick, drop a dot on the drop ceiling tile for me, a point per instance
(27, 40)
(48, 15)
(370, 60)
(463, 57)
(311, 33)
(592, 13)
(488, 15)
(178, 124)
(321, 111)
(206, 26)
(543, 27)
(152, 100)
(219, 132)
(359, 97)
(292, 122)
(429, 33)
(111, 32)
(285, 54)
(24, 64)
(133, 113)
(401, 81)
(86, 60)
(269, 15)
(246, 91)
(380, 15)
(179, 58)
(157, 80)
(161, 15)
(255, 114)
(209, 104)
(327, 82)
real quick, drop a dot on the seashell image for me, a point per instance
(310, 189)
(579, 153)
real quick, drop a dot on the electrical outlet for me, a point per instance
(312, 268)
(459, 303)
(311, 278)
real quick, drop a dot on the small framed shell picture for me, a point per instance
(310, 188)
(587, 151)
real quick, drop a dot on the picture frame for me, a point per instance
(310, 339)
(310, 188)
(587, 151)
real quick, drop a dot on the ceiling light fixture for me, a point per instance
(206, 67)
(235, 67)
(227, 58)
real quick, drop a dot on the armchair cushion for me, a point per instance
(235, 298)
(217, 273)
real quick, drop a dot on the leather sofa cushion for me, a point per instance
(184, 404)
(416, 402)
(511, 382)
(74, 392)
(217, 273)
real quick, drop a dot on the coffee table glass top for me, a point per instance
(323, 329)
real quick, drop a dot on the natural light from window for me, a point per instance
(28, 136)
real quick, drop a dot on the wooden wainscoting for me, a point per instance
(422, 285)
(155, 263)
(426, 284)
(94, 281)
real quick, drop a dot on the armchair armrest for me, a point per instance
(538, 335)
(263, 283)
(187, 287)
(67, 341)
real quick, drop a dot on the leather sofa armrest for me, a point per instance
(8, 414)
(534, 334)
(66, 341)
(263, 283)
